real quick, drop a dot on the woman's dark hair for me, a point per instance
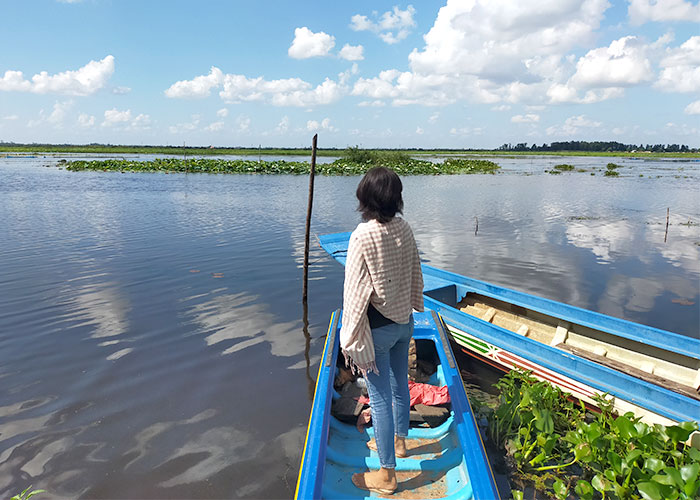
(379, 193)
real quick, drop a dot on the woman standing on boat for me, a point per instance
(383, 284)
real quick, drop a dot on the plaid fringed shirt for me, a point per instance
(382, 267)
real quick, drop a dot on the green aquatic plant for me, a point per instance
(610, 170)
(27, 494)
(402, 164)
(564, 167)
(560, 447)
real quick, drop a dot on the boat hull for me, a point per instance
(447, 461)
(583, 375)
(505, 361)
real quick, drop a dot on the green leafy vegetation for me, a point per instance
(27, 494)
(563, 450)
(355, 162)
(611, 170)
(110, 149)
(562, 167)
(599, 146)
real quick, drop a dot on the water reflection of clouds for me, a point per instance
(606, 239)
(504, 252)
(101, 306)
(220, 447)
(245, 318)
(640, 294)
(629, 293)
(10, 432)
(602, 238)
(681, 246)
(145, 439)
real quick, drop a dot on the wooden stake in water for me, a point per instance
(308, 217)
(668, 212)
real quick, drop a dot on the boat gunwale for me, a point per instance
(319, 420)
(687, 346)
(676, 406)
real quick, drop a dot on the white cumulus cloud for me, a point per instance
(406, 88)
(495, 40)
(681, 68)
(240, 88)
(693, 108)
(85, 120)
(622, 64)
(491, 52)
(84, 81)
(121, 90)
(243, 123)
(325, 124)
(125, 120)
(198, 87)
(114, 116)
(604, 73)
(222, 113)
(308, 44)
(351, 52)
(392, 26)
(214, 127)
(372, 104)
(60, 110)
(186, 126)
(573, 126)
(641, 11)
(283, 125)
(529, 118)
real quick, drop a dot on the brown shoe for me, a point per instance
(372, 481)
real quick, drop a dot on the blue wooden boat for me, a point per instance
(651, 372)
(444, 461)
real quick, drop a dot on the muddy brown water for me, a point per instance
(152, 343)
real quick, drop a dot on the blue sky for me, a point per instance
(457, 74)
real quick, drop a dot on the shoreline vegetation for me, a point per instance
(558, 447)
(108, 149)
(354, 162)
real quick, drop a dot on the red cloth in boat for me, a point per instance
(426, 394)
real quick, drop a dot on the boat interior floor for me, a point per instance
(594, 345)
(346, 408)
(435, 464)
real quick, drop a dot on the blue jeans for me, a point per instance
(389, 388)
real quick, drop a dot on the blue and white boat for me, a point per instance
(444, 461)
(651, 372)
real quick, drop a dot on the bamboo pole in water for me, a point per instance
(668, 212)
(308, 217)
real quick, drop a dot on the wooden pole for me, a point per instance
(668, 212)
(308, 217)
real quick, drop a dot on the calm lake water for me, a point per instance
(151, 334)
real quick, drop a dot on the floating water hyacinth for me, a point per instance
(342, 166)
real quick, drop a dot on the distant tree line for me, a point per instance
(598, 146)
